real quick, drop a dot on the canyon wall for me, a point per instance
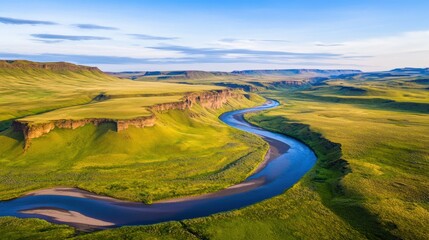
(208, 99)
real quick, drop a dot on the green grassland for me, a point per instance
(405, 89)
(370, 181)
(383, 192)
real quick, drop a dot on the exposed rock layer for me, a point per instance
(209, 99)
(140, 122)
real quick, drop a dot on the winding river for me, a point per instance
(287, 161)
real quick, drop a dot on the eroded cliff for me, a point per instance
(209, 99)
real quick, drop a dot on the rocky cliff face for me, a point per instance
(213, 99)
(140, 122)
(209, 99)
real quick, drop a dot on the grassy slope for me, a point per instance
(384, 195)
(386, 149)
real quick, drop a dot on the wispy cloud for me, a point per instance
(222, 52)
(67, 37)
(236, 40)
(329, 44)
(151, 37)
(47, 40)
(16, 21)
(94, 27)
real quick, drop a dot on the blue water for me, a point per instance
(278, 175)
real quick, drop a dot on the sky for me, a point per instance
(221, 35)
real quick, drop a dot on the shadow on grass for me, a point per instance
(10, 133)
(4, 125)
(327, 175)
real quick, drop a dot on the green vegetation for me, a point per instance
(402, 94)
(385, 194)
(370, 181)
(14, 228)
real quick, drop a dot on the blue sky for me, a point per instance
(218, 35)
